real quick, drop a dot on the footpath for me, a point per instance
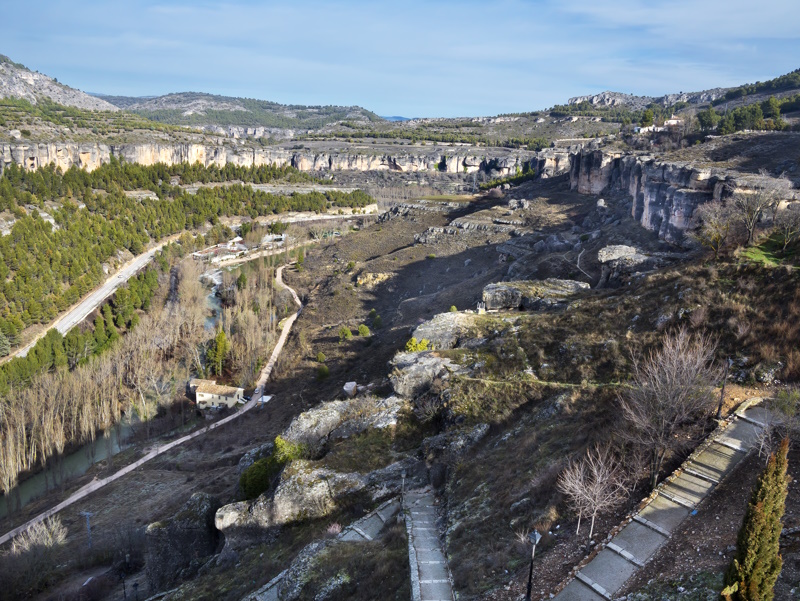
(98, 484)
(430, 576)
(673, 501)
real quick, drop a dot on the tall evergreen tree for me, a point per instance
(757, 564)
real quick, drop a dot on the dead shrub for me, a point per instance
(698, 317)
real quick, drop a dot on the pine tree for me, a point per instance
(5, 345)
(757, 564)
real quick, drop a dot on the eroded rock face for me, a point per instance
(340, 419)
(177, 547)
(531, 294)
(414, 373)
(307, 490)
(445, 329)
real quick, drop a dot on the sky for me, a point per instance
(411, 58)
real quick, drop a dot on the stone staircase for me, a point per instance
(673, 501)
(430, 575)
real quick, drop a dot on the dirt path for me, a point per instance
(160, 450)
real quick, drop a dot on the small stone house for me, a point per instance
(208, 394)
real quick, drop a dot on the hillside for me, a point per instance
(199, 109)
(17, 81)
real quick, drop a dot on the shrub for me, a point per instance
(321, 358)
(377, 322)
(345, 334)
(453, 309)
(431, 256)
(415, 346)
(258, 478)
(350, 266)
(363, 330)
(757, 564)
(323, 372)
(373, 313)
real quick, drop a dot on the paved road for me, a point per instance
(98, 484)
(79, 312)
(674, 501)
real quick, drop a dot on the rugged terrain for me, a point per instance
(395, 378)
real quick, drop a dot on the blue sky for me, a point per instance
(407, 58)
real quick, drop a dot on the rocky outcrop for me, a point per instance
(90, 156)
(532, 294)
(307, 490)
(665, 195)
(175, 548)
(414, 373)
(445, 329)
(341, 419)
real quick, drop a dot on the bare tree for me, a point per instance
(594, 485)
(713, 223)
(671, 388)
(787, 226)
(750, 205)
(780, 420)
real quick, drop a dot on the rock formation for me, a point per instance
(90, 156)
(529, 295)
(176, 547)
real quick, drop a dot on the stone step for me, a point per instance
(609, 570)
(664, 513)
(639, 540)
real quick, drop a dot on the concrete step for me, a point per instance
(609, 570)
(664, 513)
(639, 540)
(716, 460)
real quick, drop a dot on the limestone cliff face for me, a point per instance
(665, 195)
(90, 156)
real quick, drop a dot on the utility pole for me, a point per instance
(88, 515)
(728, 363)
(534, 537)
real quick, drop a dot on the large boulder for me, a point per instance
(414, 373)
(445, 329)
(308, 490)
(176, 547)
(340, 419)
(530, 294)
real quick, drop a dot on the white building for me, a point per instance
(210, 394)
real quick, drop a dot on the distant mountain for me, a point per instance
(397, 118)
(17, 81)
(199, 109)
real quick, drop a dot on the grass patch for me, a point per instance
(362, 571)
(377, 448)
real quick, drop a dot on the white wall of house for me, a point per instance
(205, 399)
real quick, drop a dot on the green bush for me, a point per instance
(323, 372)
(377, 322)
(345, 334)
(350, 266)
(321, 358)
(363, 330)
(415, 346)
(453, 309)
(373, 313)
(258, 478)
(431, 256)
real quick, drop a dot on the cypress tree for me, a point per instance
(757, 564)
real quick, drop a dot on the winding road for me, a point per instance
(98, 484)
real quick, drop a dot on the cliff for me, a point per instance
(91, 155)
(664, 194)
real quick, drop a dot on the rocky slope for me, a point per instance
(16, 81)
